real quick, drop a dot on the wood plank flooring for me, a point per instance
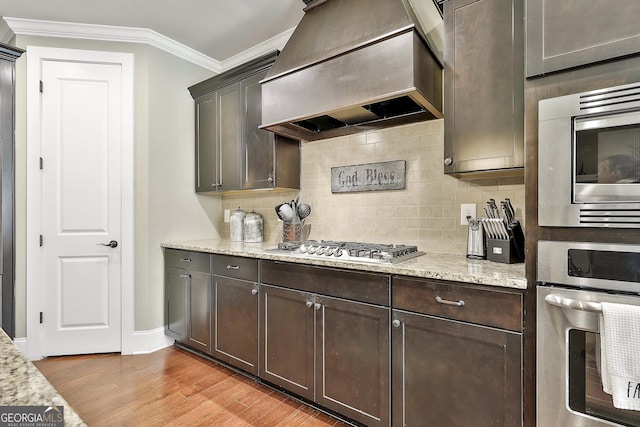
(171, 387)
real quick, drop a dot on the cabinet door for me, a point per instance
(206, 151)
(448, 373)
(286, 338)
(258, 170)
(199, 311)
(484, 85)
(176, 282)
(571, 33)
(235, 322)
(352, 358)
(229, 137)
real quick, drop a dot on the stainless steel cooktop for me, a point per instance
(349, 251)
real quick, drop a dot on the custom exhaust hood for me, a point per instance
(352, 66)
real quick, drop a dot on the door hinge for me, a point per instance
(41, 317)
(41, 163)
(41, 240)
(41, 86)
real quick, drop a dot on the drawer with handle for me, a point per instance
(236, 267)
(496, 307)
(194, 261)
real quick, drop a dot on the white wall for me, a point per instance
(166, 206)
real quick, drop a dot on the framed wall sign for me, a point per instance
(369, 177)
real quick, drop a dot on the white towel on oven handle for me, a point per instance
(620, 354)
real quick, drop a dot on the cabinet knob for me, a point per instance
(270, 179)
(318, 306)
(309, 304)
(396, 323)
(254, 291)
(448, 161)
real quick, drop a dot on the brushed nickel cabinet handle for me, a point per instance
(185, 260)
(233, 267)
(459, 303)
(185, 276)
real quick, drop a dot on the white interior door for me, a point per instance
(81, 187)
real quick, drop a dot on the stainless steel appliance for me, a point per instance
(349, 251)
(588, 159)
(574, 278)
(476, 247)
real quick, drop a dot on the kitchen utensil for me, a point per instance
(236, 225)
(303, 210)
(286, 212)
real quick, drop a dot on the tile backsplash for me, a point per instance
(425, 213)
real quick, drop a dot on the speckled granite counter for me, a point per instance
(435, 266)
(22, 384)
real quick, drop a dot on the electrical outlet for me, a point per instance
(467, 210)
(227, 215)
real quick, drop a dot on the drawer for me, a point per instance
(236, 267)
(194, 261)
(354, 285)
(491, 307)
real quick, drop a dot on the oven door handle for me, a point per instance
(573, 304)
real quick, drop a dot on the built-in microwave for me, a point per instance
(589, 159)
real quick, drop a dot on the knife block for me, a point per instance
(507, 251)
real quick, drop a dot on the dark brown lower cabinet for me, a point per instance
(188, 300)
(352, 359)
(351, 370)
(448, 373)
(235, 322)
(287, 339)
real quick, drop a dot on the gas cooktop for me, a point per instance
(349, 251)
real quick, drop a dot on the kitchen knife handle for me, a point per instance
(459, 303)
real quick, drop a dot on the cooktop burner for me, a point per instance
(351, 251)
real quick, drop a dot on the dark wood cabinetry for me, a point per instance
(235, 312)
(188, 298)
(483, 86)
(232, 153)
(571, 33)
(455, 361)
(8, 56)
(350, 373)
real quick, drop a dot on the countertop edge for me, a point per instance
(429, 266)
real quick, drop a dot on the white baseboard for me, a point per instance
(149, 341)
(143, 341)
(21, 343)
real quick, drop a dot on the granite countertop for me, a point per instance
(22, 384)
(434, 266)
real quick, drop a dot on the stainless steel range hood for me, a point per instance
(352, 66)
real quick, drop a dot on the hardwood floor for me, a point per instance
(170, 387)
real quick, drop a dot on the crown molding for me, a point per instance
(36, 27)
(274, 43)
(5, 32)
(42, 28)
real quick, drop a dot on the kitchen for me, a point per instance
(426, 213)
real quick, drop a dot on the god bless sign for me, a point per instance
(369, 177)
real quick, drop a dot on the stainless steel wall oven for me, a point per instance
(574, 280)
(589, 159)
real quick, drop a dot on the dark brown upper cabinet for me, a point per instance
(483, 86)
(571, 33)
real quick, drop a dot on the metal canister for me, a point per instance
(236, 225)
(253, 227)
